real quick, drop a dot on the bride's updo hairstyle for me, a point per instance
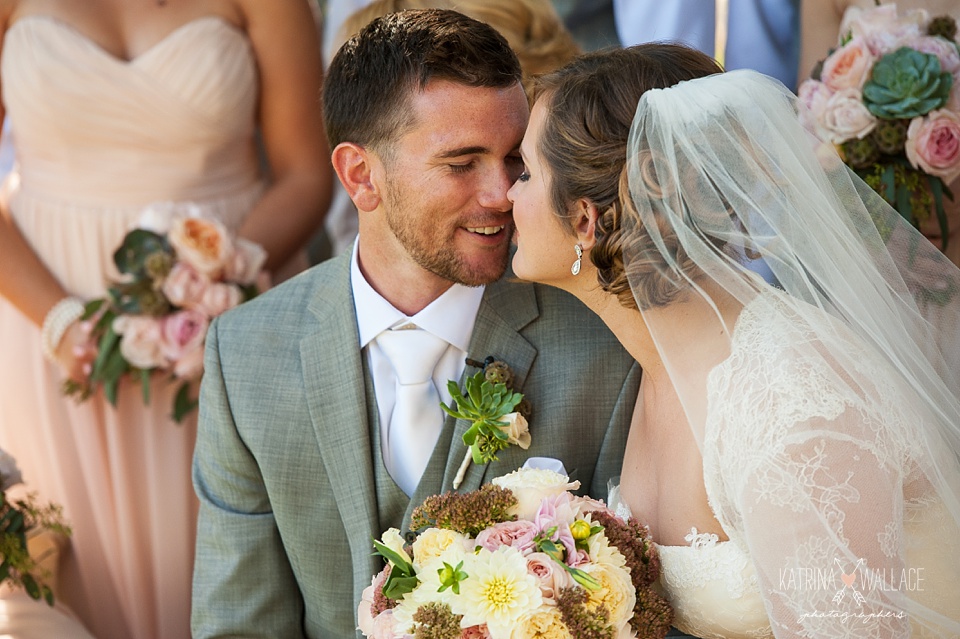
(590, 106)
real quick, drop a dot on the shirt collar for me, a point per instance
(450, 317)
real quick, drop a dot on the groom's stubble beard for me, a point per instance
(430, 240)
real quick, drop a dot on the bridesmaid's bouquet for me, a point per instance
(889, 97)
(155, 318)
(522, 557)
(17, 518)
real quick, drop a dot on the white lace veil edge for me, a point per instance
(737, 205)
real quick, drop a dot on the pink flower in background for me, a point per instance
(185, 286)
(933, 144)
(848, 67)
(882, 28)
(182, 332)
(845, 117)
(943, 49)
(202, 243)
(190, 364)
(219, 298)
(246, 263)
(141, 343)
(475, 632)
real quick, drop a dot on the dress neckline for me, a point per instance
(217, 21)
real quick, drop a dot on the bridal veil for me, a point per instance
(829, 422)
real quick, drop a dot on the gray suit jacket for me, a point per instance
(284, 463)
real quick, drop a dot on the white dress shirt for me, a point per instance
(450, 317)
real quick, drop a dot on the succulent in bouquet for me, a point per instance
(888, 96)
(154, 318)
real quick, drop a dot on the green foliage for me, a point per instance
(17, 567)
(484, 404)
(906, 84)
(403, 578)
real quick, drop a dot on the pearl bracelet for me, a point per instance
(55, 324)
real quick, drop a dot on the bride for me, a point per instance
(794, 442)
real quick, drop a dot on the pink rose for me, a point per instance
(943, 49)
(219, 298)
(475, 632)
(142, 340)
(182, 332)
(551, 576)
(245, 264)
(365, 611)
(848, 67)
(202, 243)
(518, 534)
(190, 364)
(845, 117)
(185, 286)
(933, 144)
(557, 513)
(814, 95)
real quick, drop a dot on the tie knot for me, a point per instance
(413, 353)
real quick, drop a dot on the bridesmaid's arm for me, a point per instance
(25, 281)
(819, 31)
(287, 48)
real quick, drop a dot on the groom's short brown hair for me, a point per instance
(366, 93)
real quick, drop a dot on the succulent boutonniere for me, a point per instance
(498, 415)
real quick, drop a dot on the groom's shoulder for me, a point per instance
(546, 306)
(284, 307)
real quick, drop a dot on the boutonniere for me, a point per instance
(497, 414)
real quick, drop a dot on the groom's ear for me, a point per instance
(356, 167)
(585, 222)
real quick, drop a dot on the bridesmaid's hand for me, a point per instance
(77, 351)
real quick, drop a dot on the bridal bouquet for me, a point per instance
(889, 97)
(520, 558)
(17, 517)
(173, 282)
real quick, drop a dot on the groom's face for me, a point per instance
(446, 180)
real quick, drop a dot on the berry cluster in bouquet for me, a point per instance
(519, 558)
(17, 518)
(177, 274)
(889, 97)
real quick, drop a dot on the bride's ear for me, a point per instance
(585, 223)
(356, 168)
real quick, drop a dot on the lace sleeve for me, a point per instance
(814, 474)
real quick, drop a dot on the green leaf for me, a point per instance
(393, 557)
(30, 585)
(183, 403)
(90, 308)
(936, 188)
(137, 245)
(903, 204)
(145, 385)
(397, 587)
(110, 391)
(109, 342)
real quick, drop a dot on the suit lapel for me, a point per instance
(334, 383)
(495, 333)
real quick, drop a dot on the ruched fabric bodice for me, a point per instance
(98, 140)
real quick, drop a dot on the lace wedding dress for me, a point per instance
(784, 478)
(98, 139)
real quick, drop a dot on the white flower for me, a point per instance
(438, 544)
(517, 430)
(393, 540)
(845, 117)
(602, 552)
(498, 592)
(531, 486)
(616, 592)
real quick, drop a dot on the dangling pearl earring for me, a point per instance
(575, 269)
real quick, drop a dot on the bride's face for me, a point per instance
(545, 249)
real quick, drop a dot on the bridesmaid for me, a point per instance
(116, 105)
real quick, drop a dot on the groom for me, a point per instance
(303, 453)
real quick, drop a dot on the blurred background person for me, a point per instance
(763, 35)
(115, 106)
